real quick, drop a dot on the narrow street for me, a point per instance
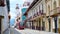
(29, 16)
(28, 31)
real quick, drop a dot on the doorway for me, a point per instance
(0, 26)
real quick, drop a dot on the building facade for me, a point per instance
(4, 10)
(44, 15)
(53, 11)
(36, 14)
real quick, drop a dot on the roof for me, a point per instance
(32, 4)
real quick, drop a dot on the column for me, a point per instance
(31, 25)
(47, 25)
(51, 24)
(41, 23)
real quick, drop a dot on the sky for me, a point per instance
(13, 5)
(13, 10)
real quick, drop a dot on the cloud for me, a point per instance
(13, 5)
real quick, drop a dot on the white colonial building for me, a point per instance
(4, 20)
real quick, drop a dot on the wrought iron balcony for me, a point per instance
(41, 13)
(2, 3)
(55, 11)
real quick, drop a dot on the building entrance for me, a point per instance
(0, 26)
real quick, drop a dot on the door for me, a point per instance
(0, 26)
(43, 26)
(55, 20)
(49, 24)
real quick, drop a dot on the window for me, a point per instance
(54, 4)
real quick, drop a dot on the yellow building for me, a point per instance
(44, 15)
(36, 15)
(52, 15)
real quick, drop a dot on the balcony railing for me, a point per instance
(2, 3)
(39, 13)
(55, 11)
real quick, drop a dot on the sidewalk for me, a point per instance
(7, 31)
(30, 31)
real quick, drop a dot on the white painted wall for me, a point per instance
(4, 12)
